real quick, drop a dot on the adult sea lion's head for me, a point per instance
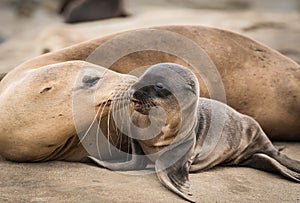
(58, 101)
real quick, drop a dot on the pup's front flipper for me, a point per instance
(275, 162)
(175, 176)
(138, 160)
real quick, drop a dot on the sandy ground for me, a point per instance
(76, 182)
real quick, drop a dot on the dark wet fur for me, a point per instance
(257, 153)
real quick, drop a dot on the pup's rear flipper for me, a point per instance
(288, 167)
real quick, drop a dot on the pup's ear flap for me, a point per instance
(172, 168)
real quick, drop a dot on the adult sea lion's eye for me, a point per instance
(90, 81)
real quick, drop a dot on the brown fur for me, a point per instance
(258, 80)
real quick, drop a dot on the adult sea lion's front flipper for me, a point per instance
(175, 176)
(138, 160)
(275, 162)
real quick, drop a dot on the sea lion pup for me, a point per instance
(41, 110)
(197, 133)
(258, 81)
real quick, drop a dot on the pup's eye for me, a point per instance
(159, 85)
(161, 90)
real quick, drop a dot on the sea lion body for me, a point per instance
(258, 81)
(197, 133)
(38, 116)
(241, 138)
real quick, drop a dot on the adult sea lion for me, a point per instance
(258, 80)
(38, 115)
(196, 133)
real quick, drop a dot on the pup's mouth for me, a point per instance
(142, 106)
(137, 104)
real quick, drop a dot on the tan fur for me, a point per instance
(37, 115)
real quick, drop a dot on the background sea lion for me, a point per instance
(255, 77)
(197, 134)
(76, 11)
(39, 117)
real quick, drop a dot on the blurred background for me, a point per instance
(33, 27)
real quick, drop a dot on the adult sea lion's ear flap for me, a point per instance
(2, 75)
(175, 176)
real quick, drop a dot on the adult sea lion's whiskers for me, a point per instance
(108, 131)
(90, 126)
(120, 106)
(98, 126)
